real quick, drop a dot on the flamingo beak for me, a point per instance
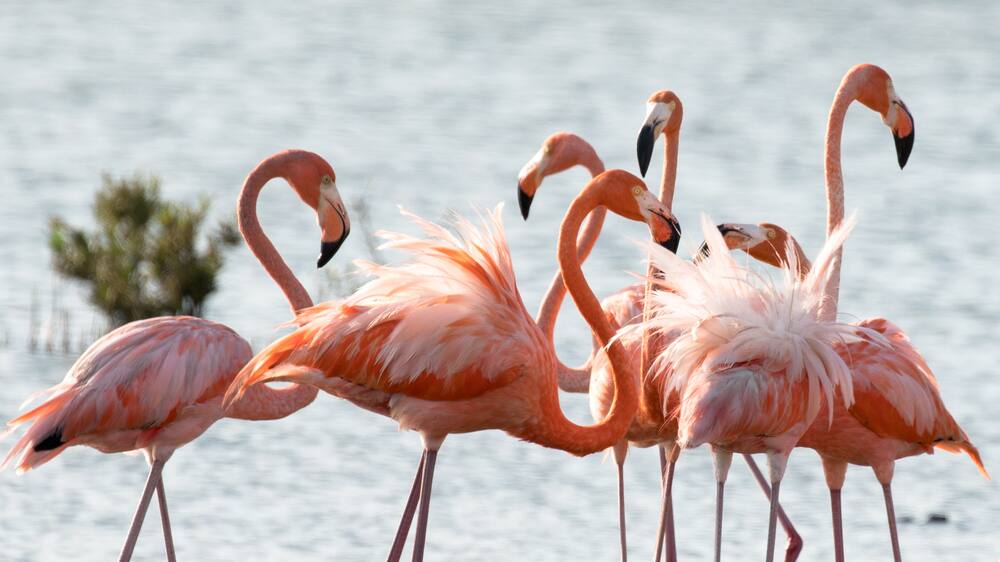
(524, 201)
(644, 147)
(737, 237)
(903, 137)
(335, 226)
(666, 231)
(328, 249)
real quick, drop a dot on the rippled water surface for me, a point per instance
(435, 105)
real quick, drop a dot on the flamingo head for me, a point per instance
(663, 117)
(765, 242)
(878, 94)
(314, 180)
(626, 195)
(559, 152)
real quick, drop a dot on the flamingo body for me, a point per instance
(436, 342)
(150, 384)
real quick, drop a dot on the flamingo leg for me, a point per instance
(838, 525)
(794, 547)
(620, 451)
(168, 537)
(411, 507)
(155, 470)
(891, 514)
(777, 461)
(665, 540)
(430, 456)
(722, 459)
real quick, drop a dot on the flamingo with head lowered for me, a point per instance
(155, 385)
(897, 411)
(443, 343)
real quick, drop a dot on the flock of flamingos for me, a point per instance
(706, 351)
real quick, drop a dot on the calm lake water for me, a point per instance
(436, 106)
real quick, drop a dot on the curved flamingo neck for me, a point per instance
(573, 379)
(258, 242)
(555, 430)
(264, 402)
(846, 94)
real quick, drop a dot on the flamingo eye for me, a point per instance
(771, 234)
(326, 180)
(637, 191)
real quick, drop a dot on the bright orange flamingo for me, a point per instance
(560, 152)
(783, 424)
(443, 344)
(897, 412)
(155, 385)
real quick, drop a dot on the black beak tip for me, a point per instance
(674, 242)
(644, 148)
(904, 145)
(524, 201)
(328, 249)
(703, 251)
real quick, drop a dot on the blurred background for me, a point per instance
(435, 106)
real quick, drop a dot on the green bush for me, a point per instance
(143, 259)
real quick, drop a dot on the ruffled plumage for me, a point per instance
(724, 315)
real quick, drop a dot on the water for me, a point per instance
(432, 106)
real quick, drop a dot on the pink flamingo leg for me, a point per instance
(620, 451)
(794, 547)
(772, 521)
(168, 537)
(621, 511)
(425, 503)
(891, 514)
(777, 462)
(666, 527)
(140, 513)
(722, 459)
(404, 524)
(838, 525)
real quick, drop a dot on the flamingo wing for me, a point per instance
(140, 376)
(448, 324)
(896, 395)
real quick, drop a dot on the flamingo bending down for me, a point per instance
(443, 344)
(560, 152)
(898, 410)
(157, 384)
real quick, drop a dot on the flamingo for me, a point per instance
(157, 384)
(443, 344)
(898, 410)
(559, 152)
(780, 425)
(750, 360)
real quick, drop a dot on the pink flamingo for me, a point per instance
(749, 359)
(155, 385)
(560, 152)
(444, 345)
(897, 412)
(782, 425)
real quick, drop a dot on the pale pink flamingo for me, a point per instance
(898, 410)
(443, 344)
(749, 359)
(560, 152)
(783, 426)
(155, 385)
